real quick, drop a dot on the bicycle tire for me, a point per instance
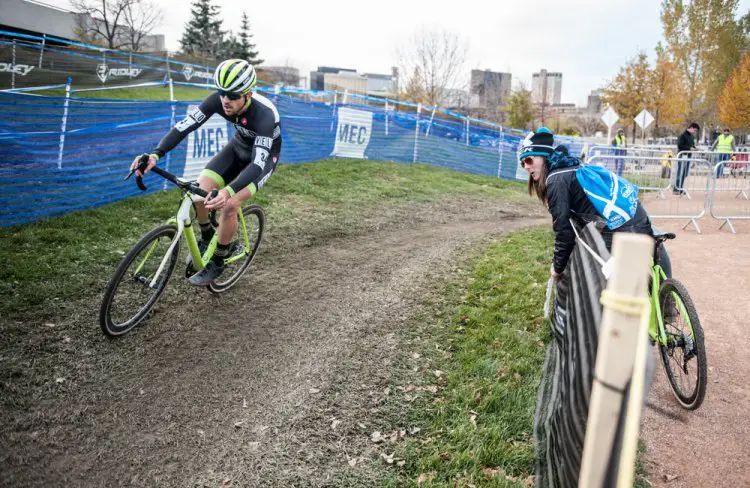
(255, 222)
(109, 325)
(693, 399)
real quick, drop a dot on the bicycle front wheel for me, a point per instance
(134, 289)
(684, 354)
(242, 255)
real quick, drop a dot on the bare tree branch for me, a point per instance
(116, 23)
(434, 61)
(140, 18)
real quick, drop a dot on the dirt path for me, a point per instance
(274, 384)
(710, 446)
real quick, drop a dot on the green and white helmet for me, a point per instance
(235, 75)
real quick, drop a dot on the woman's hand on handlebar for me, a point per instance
(152, 159)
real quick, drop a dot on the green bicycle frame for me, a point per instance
(199, 262)
(656, 328)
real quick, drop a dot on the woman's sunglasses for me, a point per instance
(229, 95)
(527, 160)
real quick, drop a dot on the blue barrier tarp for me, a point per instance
(47, 171)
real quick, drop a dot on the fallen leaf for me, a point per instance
(376, 437)
(414, 430)
(387, 458)
(425, 477)
(361, 425)
(502, 371)
(496, 341)
(314, 390)
(352, 461)
(335, 423)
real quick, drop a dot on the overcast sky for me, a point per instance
(586, 40)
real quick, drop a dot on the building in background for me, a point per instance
(382, 85)
(594, 104)
(546, 88)
(317, 78)
(344, 79)
(39, 19)
(489, 89)
(565, 110)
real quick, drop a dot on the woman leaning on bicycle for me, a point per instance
(558, 179)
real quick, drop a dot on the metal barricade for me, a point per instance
(656, 176)
(729, 193)
(614, 154)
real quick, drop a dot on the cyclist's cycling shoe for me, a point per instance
(208, 274)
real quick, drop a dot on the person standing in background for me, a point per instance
(714, 135)
(686, 142)
(619, 142)
(724, 145)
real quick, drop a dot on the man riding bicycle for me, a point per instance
(241, 168)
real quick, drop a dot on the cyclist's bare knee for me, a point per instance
(231, 208)
(207, 183)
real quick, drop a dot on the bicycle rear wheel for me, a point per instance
(241, 257)
(130, 294)
(684, 355)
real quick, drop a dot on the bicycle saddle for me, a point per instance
(660, 235)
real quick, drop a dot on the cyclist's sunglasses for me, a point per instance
(527, 160)
(229, 95)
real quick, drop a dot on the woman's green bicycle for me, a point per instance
(143, 273)
(676, 329)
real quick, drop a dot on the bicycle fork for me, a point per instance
(183, 216)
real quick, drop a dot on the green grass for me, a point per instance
(47, 264)
(478, 428)
(143, 93)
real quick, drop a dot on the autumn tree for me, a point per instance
(520, 109)
(705, 42)
(734, 102)
(435, 63)
(666, 90)
(628, 93)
